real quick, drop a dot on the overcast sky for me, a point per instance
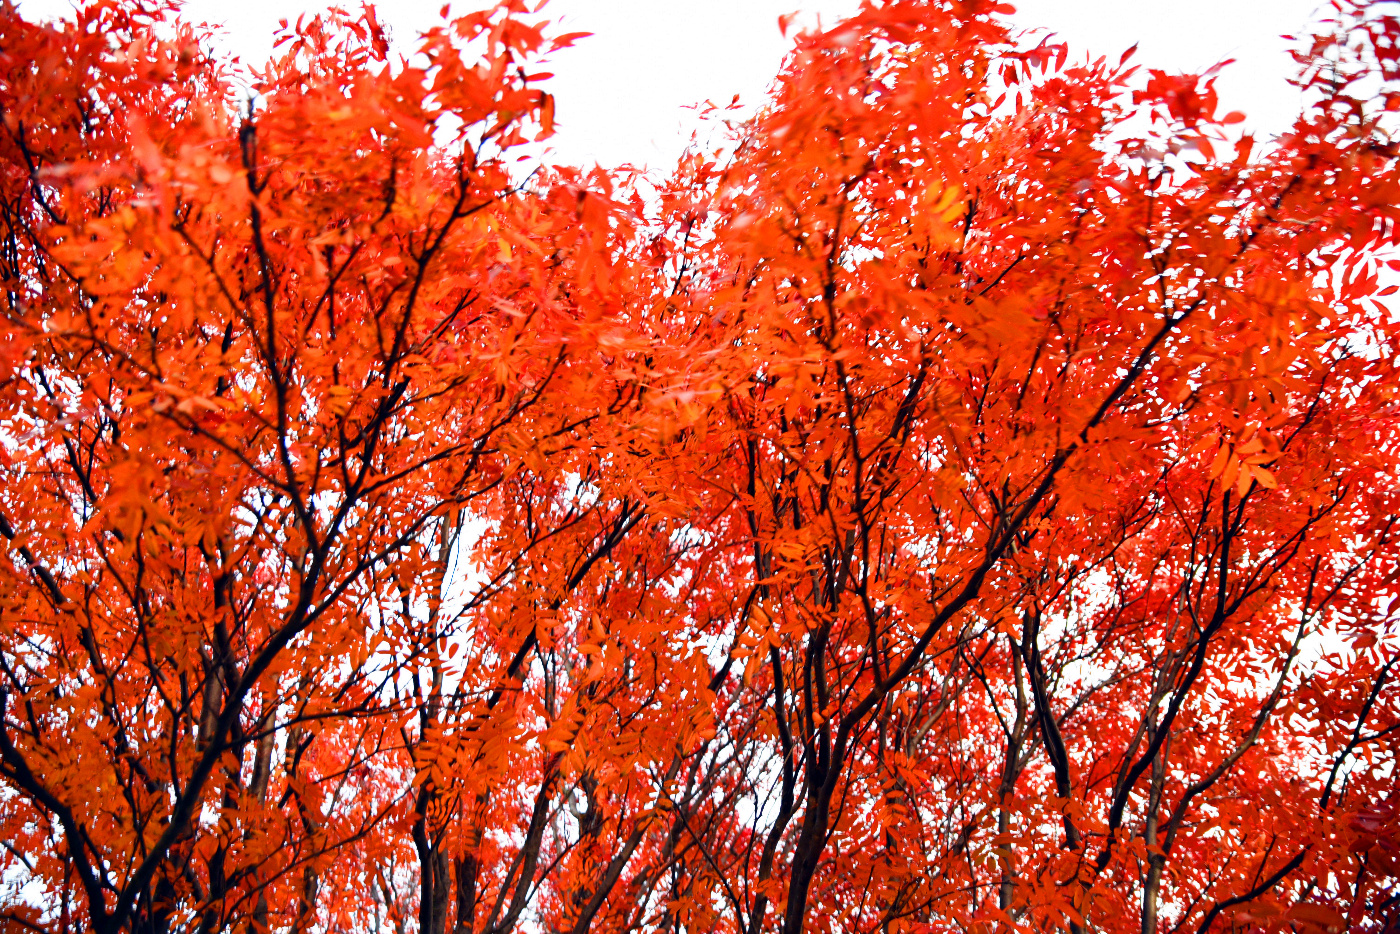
(622, 93)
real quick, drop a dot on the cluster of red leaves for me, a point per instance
(970, 507)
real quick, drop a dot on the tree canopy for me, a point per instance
(967, 501)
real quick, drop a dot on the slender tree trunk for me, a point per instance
(257, 788)
(1151, 888)
(310, 880)
(811, 841)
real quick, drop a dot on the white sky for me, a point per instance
(622, 93)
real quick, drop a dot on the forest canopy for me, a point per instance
(965, 502)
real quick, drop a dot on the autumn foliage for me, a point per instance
(968, 502)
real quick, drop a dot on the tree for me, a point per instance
(251, 370)
(966, 503)
(999, 394)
